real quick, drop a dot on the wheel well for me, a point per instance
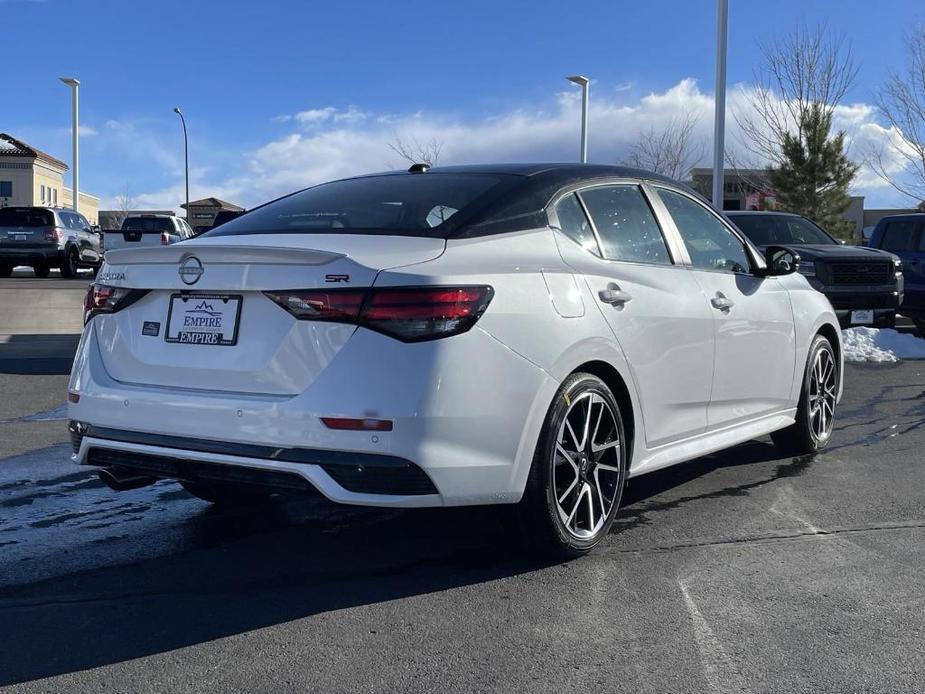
(829, 333)
(617, 385)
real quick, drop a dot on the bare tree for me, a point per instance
(672, 151)
(901, 102)
(418, 152)
(806, 69)
(125, 203)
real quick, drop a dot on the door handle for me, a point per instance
(614, 296)
(721, 302)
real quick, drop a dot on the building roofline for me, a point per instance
(25, 150)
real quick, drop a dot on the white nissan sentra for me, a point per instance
(531, 335)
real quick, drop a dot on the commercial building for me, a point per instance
(201, 213)
(29, 176)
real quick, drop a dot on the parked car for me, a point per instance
(904, 235)
(529, 335)
(46, 238)
(148, 230)
(865, 285)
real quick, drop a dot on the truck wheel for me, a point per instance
(41, 271)
(919, 326)
(6, 269)
(69, 266)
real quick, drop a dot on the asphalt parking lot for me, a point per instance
(739, 572)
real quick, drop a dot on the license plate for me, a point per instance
(203, 319)
(19, 237)
(862, 317)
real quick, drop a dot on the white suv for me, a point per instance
(530, 335)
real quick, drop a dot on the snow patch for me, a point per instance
(881, 345)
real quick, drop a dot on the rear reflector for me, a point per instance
(347, 424)
(73, 397)
(410, 314)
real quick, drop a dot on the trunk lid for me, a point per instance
(223, 281)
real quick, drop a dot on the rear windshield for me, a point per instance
(157, 224)
(770, 229)
(26, 217)
(412, 204)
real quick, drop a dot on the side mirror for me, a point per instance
(780, 261)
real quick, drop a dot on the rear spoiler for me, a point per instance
(219, 254)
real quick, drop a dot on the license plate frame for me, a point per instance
(207, 312)
(862, 317)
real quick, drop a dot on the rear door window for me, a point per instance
(626, 224)
(898, 236)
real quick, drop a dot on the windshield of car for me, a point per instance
(416, 204)
(26, 217)
(157, 224)
(771, 229)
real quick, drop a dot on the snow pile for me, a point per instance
(882, 345)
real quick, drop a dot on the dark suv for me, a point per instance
(47, 237)
(864, 285)
(904, 235)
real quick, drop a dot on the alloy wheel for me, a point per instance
(822, 387)
(587, 470)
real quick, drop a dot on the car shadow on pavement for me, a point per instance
(235, 572)
(46, 355)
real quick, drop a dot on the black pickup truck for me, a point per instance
(864, 285)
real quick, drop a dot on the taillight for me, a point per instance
(165, 238)
(341, 306)
(410, 314)
(52, 234)
(101, 298)
(424, 313)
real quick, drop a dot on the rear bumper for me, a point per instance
(466, 413)
(28, 256)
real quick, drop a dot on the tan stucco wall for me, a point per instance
(21, 178)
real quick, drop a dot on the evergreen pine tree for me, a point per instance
(813, 173)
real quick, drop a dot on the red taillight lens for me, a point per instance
(165, 238)
(425, 313)
(339, 306)
(52, 234)
(101, 298)
(410, 314)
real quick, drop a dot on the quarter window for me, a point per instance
(574, 223)
(626, 225)
(710, 244)
(897, 236)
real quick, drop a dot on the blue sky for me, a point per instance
(485, 78)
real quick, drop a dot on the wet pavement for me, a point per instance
(739, 572)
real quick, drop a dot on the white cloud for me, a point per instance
(327, 142)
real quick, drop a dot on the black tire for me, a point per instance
(598, 475)
(226, 494)
(816, 410)
(919, 326)
(70, 263)
(41, 271)
(6, 269)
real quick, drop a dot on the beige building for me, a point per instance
(201, 213)
(29, 176)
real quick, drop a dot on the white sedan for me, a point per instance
(531, 335)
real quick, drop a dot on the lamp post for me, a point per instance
(185, 157)
(719, 115)
(585, 84)
(73, 83)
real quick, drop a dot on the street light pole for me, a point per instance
(585, 85)
(719, 116)
(185, 157)
(73, 83)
